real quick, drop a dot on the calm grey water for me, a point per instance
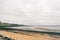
(49, 28)
(1, 38)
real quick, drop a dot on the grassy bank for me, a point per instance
(8, 25)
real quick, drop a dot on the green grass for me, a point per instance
(8, 25)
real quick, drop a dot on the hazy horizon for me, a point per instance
(30, 12)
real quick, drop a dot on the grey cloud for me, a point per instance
(35, 12)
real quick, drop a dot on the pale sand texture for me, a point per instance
(35, 36)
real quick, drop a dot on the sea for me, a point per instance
(45, 28)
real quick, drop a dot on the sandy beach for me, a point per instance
(28, 36)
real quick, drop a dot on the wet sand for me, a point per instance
(28, 36)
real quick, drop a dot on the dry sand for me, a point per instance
(34, 36)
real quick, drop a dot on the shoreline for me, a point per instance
(24, 35)
(28, 36)
(32, 31)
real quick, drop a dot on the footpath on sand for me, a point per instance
(17, 36)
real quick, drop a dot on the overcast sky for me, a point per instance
(30, 12)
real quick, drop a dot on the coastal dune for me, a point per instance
(33, 36)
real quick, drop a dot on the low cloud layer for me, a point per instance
(30, 12)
